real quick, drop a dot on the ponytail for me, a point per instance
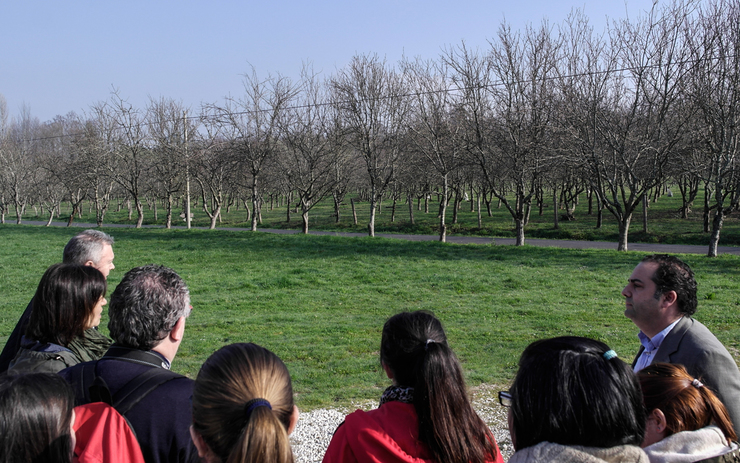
(719, 414)
(687, 404)
(242, 405)
(414, 347)
(263, 439)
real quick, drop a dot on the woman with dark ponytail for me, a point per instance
(686, 421)
(426, 414)
(243, 408)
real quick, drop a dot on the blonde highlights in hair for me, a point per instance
(228, 382)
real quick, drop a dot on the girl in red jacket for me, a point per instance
(425, 416)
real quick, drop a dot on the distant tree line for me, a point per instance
(548, 113)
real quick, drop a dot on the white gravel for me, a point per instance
(315, 428)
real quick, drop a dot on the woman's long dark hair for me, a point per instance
(225, 409)
(35, 419)
(64, 302)
(414, 347)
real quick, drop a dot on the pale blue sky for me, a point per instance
(60, 56)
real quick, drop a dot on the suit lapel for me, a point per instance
(670, 344)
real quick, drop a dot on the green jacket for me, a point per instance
(41, 358)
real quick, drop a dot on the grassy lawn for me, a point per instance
(319, 302)
(664, 222)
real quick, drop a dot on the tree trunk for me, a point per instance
(480, 219)
(717, 221)
(624, 229)
(519, 222)
(644, 213)
(249, 211)
(139, 213)
(336, 207)
(411, 209)
(556, 225)
(170, 200)
(707, 207)
(373, 206)
(304, 217)
(215, 217)
(255, 205)
(443, 211)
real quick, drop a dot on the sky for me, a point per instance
(57, 57)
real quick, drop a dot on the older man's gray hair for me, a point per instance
(87, 246)
(146, 305)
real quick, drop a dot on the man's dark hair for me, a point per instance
(146, 305)
(86, 246)
(673, 274)
(568, 392)
(64, 302)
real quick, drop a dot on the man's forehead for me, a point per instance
(644, 271)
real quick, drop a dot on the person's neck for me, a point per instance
(652, 331)
(166, 350)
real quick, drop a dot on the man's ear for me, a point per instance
(293, 420)
(178, 330)
(670, 297)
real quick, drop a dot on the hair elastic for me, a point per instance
(426, 346)
(610, 354)
(697, 384)
(254, 403)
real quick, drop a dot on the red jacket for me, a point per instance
(389, 434)
(103, 436)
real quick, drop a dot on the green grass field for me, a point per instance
(664, 222)
(319, 302)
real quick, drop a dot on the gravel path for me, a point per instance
(315, 428)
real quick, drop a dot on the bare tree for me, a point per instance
(715, 90)
(433, 126)
(132, 152)
(17, 165)
(169, 126)
(370, 99)
(310, 156)
(507, 99)
(252, 125)
(625, 113)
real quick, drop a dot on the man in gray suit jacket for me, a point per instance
(660, 298)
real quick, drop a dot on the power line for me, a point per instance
(492, 85)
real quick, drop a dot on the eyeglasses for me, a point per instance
(504, 398)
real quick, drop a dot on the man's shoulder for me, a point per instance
(117, 369)
(694, 333)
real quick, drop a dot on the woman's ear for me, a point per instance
(293, 420)
(660, 422)
(204, 451)
(387, 370)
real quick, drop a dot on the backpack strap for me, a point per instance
(141, 386)
(91, 387)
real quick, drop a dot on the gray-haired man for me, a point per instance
(90, 247)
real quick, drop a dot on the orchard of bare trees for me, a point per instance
(545, 114)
